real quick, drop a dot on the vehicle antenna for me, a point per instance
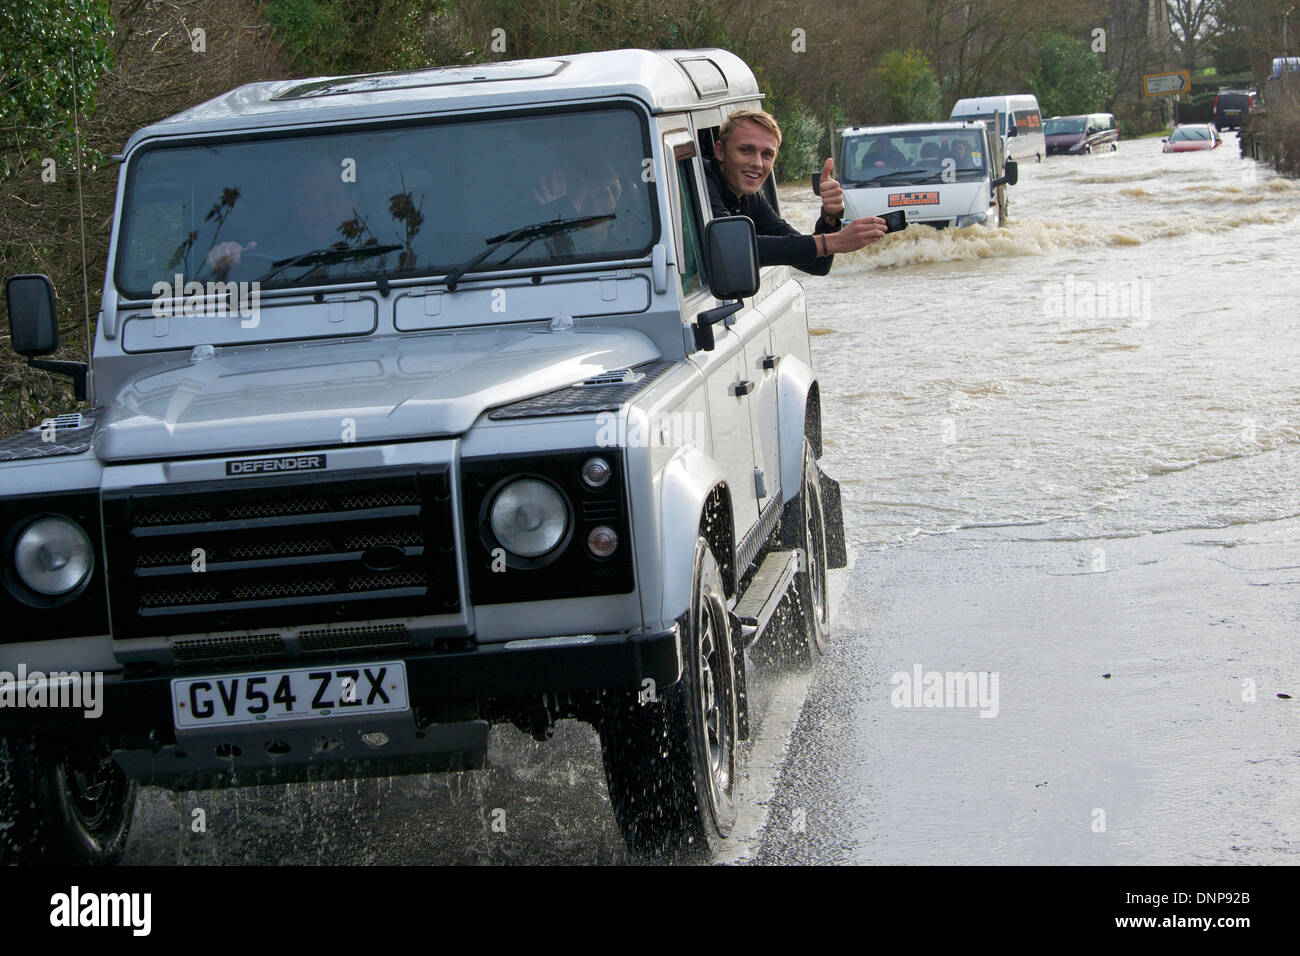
(81, 210)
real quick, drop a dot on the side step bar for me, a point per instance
(753, 612)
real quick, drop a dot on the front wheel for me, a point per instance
(670, 753)
(62, 806)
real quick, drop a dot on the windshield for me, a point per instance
(387, 203)
(1065, 124)
(1191, 132)
(911, 157)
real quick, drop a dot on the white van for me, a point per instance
(939, 174)
(1018, 120)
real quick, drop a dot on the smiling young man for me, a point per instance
(744, 154)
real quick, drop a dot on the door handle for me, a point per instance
(743, 387)
(769, 362)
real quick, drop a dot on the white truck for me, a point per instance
(418, 402)
(937, 174)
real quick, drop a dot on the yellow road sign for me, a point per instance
(1167, 84)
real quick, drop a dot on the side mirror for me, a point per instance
(731, 260)
(1012, 131)
(1010, 174)
(33, 321)
(34, 327)
(731, 257)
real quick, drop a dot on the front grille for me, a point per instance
(202, 649)
(347, 638)
(251, 554)
(600, 509)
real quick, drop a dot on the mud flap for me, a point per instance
(837, 552)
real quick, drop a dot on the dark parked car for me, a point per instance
(1080, 134)
(1231, 107)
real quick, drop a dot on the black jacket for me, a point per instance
(779, 243)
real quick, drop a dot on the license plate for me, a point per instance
(914, 199)
(302, 694)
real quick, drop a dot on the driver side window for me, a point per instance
(692, 254)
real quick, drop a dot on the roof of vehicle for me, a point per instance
(979, 102)
(664, 80)
(907, 128)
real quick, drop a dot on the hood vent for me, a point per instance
(619, 376)
(68, 420)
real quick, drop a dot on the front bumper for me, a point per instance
(520, 668)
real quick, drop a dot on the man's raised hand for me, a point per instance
(831, 193)
(549, 192)
(856, 234)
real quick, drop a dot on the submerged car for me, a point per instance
(1073, 135)
(1190, 137)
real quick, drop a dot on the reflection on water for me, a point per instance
(1119, 359)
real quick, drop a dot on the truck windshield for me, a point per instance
(913, 157)
(387, 203)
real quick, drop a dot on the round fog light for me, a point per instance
(602, 541)
(53, 556)
(595, 472)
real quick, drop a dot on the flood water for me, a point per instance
(1135, 318)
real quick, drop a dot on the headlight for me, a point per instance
(974, 219)
(529, 517)
(53, 556)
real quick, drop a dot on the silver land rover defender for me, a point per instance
(418, 402)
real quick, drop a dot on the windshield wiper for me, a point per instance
(318, 257)
(536, 231)
(893, 173)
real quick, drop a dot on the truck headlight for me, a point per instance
(529, 517)
(53, 556)
(974, 219)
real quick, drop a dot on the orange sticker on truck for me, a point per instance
(913, 199)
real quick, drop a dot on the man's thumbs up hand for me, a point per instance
(832, 195)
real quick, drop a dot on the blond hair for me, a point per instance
(757, 117)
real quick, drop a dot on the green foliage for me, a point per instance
(36, 92)
(314, 32)
(1069, 78)
(351, 36)
(801, 138)
(1231, 52)
(907, 86)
